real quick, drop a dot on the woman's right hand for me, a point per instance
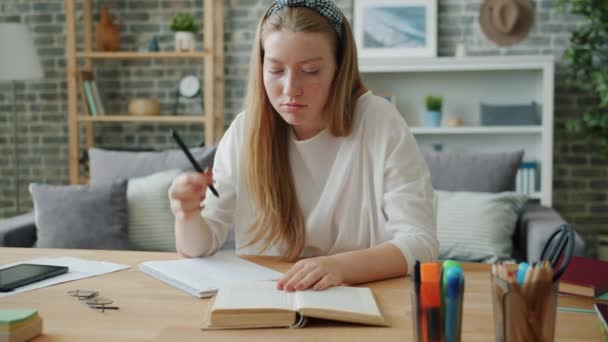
(187, 192)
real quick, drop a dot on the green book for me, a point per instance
(90, 99)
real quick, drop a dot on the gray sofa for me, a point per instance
(493, 173)
(449, 171)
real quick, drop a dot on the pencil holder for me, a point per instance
(524, 314)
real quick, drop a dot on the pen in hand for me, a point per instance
(191, 158)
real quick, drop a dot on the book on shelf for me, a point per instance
(19, 324)
(525, 180)
(260, 305)
(86, 96)
(88, 92)
(202, 277)
(97, 98)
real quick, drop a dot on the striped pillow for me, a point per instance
(477, 226)
(151, 222)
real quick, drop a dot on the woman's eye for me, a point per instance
(275, 71)
(312, 72)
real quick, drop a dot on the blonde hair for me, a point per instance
(278, 216)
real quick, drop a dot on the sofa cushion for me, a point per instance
(481, 172)
(18, 231)
(81, 216)
(474, 226)
(151, 221)
(111, 165)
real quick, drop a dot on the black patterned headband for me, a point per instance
(324, 7)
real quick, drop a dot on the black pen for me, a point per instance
(191, 158)
(417, 320)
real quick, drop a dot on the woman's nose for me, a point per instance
(292, 85)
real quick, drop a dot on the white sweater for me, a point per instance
(355, 192)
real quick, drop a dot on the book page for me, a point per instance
(340, 298)
(253, 295)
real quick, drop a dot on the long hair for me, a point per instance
(271, 186)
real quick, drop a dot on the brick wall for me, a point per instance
(580, 173)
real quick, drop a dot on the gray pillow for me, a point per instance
(81, 216)
(110, 165)
(476, 226)
(478, 172)
(151, 221)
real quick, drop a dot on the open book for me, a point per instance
(261, 305)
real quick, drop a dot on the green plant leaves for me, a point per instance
(434, 103)
(587, 58)
(183, 22)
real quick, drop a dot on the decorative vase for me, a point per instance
(184, 41)
(144, 106)
(454, 122)
(433, 118)
(153, 46)
(107, 34)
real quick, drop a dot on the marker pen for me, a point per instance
(430, 302)
(453, 313)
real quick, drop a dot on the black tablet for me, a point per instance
(23, 274)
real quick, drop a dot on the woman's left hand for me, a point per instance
(317, 273)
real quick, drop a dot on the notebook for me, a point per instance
(585, 277)
(202, 277)
(261, 305)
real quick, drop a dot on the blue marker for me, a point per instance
(447, 264)
(453, 294)
(522, 269)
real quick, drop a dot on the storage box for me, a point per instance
(509, 115)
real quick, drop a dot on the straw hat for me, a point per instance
(506, 22)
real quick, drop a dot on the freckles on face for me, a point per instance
(298, 71)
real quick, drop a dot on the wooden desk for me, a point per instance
(153, 310)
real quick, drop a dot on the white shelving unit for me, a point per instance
(465, 83)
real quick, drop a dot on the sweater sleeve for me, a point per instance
(409, 202)
(218, 213)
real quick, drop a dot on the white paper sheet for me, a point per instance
(78, 269)
(201, 277)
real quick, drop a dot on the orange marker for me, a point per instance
(430, 302)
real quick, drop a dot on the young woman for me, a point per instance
(315, 167)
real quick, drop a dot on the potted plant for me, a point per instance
(184, 26)
(433, 110)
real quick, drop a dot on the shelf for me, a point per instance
(135, 118)
(142, 55)
(371, 65)
(477, 130)
(82, 60)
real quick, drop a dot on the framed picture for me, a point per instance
(396, 28)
